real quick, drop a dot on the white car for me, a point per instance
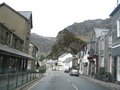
(74, 72)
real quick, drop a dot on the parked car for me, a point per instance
(66, 70)
(74, 72)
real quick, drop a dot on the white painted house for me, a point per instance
(61, 59)
(68, 63)
(84, 62)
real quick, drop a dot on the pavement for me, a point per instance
(27, 85)
(111, 86)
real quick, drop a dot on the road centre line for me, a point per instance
(35, 84)
(68, 80)
(75, 87)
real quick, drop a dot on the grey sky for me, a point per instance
(51, 16)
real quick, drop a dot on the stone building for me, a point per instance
(8, 38)
(15, 28)
(94, 52)
(102, 48)
(108, 52)
(34, 52)
(20, 23)
(115, 27)
(12, 59)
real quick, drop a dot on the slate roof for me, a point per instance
(63, 55)
(14, 52)
(116, 51)
(26, 14)
(69, 59)
(115, 10)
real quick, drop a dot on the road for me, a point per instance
(58, 80)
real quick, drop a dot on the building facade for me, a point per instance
(8, 38)
(14, 40)
(12, 59)
(102, 48)
(19, 23)
(108, 52)
(115, 27)
(34, 52)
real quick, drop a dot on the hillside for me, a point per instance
(66, 42)
(44, 43)
(85, 29)
(62, 42)
(74, 37)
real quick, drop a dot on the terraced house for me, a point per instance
(115, 22)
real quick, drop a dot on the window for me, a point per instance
(6, 39)
(110, 40)
(102, 61)
(118, 68)
(103, 45)
(31, 49)
(110, 63)
(118, 27)
(15, 42)
(1, 59)
(12, 65)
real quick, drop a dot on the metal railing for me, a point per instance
(12, 81)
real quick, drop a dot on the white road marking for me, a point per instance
(68, 80)
(75, 87)
(35, 84)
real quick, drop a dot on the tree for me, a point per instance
(42, 57)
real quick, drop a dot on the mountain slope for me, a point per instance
(66, 42)
(68, 39)
(44, 43)
(85, 29)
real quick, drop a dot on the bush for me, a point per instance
(42, 69)
(101, 73)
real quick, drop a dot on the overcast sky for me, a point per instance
(51, 16)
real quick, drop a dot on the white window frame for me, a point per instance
(110, 63)
(118, 68)
(102, 61)
(118, 27)
(103, 44)
(31, 48)
(110, 40)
